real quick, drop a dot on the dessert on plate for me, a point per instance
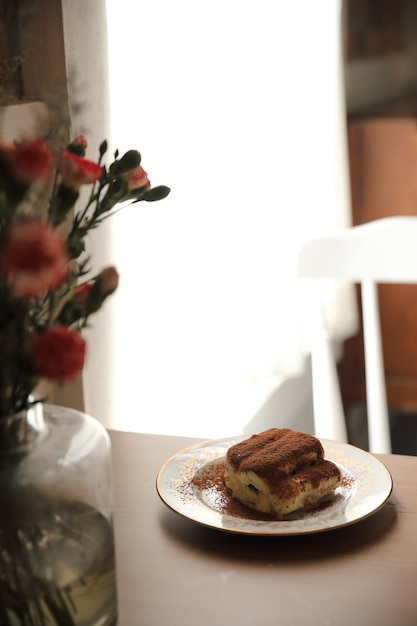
(280, 471)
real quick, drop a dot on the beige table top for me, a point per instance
(173, 572)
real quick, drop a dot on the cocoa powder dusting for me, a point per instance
(309, 477)
(275, 453)
(209, 481)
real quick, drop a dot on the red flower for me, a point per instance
(137, 178)
(34, 258)
(76, 170)
(31, 160)
(58, 353)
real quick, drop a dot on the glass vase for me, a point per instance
(57, 558)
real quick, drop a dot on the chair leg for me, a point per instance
(329, 416)
(376, 396)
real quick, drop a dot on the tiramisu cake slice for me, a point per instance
(280, 471)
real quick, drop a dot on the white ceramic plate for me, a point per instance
(366, 486)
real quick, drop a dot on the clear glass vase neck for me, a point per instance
(20, 431)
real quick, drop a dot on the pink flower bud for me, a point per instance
(136, 178)
(108, 281)
(81, 293)
(80, 140)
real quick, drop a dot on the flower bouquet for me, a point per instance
(45, 297)
(48, 533)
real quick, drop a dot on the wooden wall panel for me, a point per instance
(383, 166)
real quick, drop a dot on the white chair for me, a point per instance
(381, 251)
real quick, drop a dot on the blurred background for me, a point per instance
(270, 126)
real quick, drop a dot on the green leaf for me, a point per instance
(76, 244)
(76, 148)
(64, 200)
(156, 193)
(103, 148)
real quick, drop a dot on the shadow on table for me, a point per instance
(288, 548)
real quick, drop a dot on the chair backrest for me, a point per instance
(381, 251)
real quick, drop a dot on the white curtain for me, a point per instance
(239, 108)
